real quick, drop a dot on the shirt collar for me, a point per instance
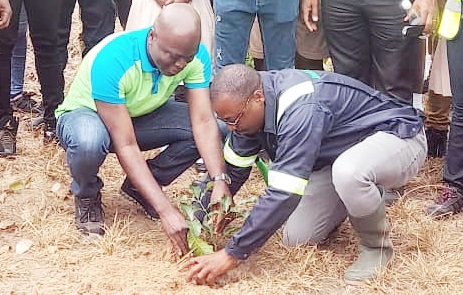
(267, 80)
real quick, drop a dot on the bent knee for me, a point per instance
(294, 237)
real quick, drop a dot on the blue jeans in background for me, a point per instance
(18, 57)
(277, 20)
(86, 140)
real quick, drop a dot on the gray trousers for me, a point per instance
(350, 185)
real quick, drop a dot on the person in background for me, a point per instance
(43, 26)
(366, 41)
(451, 200)
(21, 101)
(277, 21)
(334, 150)
(123, 9)
(311, 47)
(437, 102)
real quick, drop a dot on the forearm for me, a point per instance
(267, 216)
(209, 144)
(238, 177)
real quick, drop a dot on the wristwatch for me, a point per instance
(223, 177)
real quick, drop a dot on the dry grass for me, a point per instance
(134, 255)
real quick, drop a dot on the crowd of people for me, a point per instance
(339, 143)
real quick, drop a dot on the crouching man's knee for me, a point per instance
(300, 235)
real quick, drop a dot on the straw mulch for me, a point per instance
(134, 256)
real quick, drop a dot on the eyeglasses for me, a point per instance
(235, 122)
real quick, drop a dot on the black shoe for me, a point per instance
(449, 203)
(8, 137)
(437, 142)
(130, 193)
(89, 215)
(49, 133)
(23, 103)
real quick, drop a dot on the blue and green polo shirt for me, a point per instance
(117, 71)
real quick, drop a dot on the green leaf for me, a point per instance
(195, 227)
(196, 191)
(188, 210)
(198, 245)
(209, 186)
(226, 203)
(15, 186)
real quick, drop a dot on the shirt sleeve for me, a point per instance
(108, 68)
(300, 134)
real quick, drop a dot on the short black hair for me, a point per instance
(238, 80)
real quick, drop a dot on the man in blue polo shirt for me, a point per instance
(119, 102)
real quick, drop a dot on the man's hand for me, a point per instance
(223, 218)
(5, 13)
(426, 10)
(208, 268)
(309, 14)
(174, 225)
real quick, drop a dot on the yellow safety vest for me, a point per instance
(451, 18)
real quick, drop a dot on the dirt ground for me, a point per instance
(42, 253)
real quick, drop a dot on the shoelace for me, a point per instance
(7, 137)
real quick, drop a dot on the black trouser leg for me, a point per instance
(453, 166)
(43, 26)
(98, 18)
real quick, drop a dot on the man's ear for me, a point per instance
(258, 95)
(153, 35)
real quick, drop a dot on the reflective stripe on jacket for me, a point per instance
(450, 23)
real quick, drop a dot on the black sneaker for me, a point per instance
(450, 202)
(130, 193)
(23, 103)
(89, 215)
(8, 137)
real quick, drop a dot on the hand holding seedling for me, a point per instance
(175, 227)
(220, 207)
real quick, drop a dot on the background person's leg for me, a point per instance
(98, 19)
(278, 39)
(18, 58)
(43, 27)
(232, 30)
(347, 35)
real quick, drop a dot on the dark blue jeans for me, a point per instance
(453, 165)
(86, 140)
(18, 58)
(277, 20)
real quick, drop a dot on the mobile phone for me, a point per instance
(412, 31)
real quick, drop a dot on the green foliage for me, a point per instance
(202, 238)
